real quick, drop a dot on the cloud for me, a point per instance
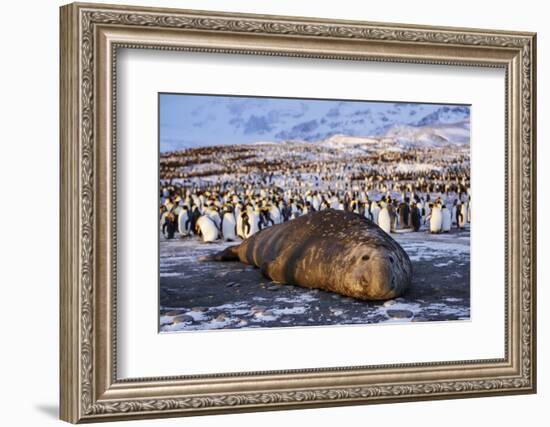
(333, 112)
(237, 122)
(305, 126)
(236, 108)
(257, 124)
(302, 130)
(364, 112)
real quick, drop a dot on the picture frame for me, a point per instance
(91, 36)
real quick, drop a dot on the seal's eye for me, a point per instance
(365, 257)
(391, 259)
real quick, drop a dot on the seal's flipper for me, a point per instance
(228, 254)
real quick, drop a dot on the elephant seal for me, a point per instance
(331, 250)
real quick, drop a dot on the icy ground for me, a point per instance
(226, 295)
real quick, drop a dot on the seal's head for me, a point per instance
(379, 273)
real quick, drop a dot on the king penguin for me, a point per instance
(207, 229)
(253, 222)
(384, 219)
(375, 211)
(229, 225)
(462, 216)
(446, 219)
(184, 222)
(275, 214)
(436, 219)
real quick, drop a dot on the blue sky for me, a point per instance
(202, 120)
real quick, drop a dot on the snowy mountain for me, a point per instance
(446, 115)
(456, 133)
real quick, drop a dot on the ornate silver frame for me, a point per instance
(90, 36)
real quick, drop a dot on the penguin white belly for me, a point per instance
(275, 215)
(384, 220)
(436, 220)
(254, 227)
(375, 213)
(228, 227)
(316, 203)
(163, 218)
(445, 220)
(462, 218)
(208, 229)
(240, 228)
(183, 223)
(215, 217)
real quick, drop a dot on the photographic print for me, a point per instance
(295, 212)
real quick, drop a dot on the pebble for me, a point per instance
(258, 308)
(183, 318)
(400, 314)
(220, 317)
(273, 288)
(389, 303)
(199, 309)
(173, 312)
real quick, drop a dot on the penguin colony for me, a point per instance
(229, 193)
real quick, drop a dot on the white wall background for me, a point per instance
(29, 197)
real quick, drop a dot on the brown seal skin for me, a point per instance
(332, 250)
